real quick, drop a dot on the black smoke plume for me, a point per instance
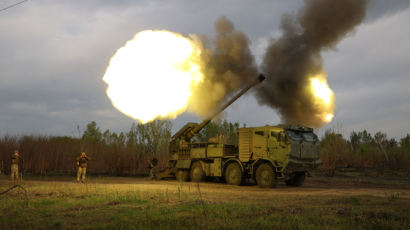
(293, 58)
(227, 65)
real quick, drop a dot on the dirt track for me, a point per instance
(217, 191)
(312, 187)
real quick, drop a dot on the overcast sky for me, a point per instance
(54, 54)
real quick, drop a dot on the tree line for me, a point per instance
(127, 153)
(124, 153)
(363, 150)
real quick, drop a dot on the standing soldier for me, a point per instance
(82, 166)
(152, 164)
(15, 165)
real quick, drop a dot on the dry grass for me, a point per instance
(132, 203)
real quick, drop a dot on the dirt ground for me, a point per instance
(341, 202)
(219, 191)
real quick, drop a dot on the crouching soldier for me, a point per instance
(15, 165)
(152, 164)
(82, 166)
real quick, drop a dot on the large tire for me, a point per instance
(265, 176)
(182, 175)
(233, 174)
(297, 179)
(197, 173)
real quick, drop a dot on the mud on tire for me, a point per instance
(182, 175)
(233, 174)
(197, 174)
(265, 176)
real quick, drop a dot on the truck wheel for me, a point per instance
(265, 176)
(197, 173)
(296, 180)
(233, 174)
(182, 175)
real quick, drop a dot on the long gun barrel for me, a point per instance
(193, 131)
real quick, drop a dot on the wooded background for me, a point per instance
(127, 153)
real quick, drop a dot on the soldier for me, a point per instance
(152, 164)
(82, 166)
(15, 165)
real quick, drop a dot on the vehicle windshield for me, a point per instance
(309, 136)
(294, 135)
(298, 136)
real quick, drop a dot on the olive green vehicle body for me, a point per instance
(270, 145)
(266, 154)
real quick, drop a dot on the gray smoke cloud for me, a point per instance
(228, 66)
(293, 58)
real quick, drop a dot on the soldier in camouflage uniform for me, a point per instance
(15, 166)
(82, 166)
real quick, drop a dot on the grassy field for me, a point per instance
(137, 203)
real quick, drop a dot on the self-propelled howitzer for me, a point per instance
(265, 154)
(191, 129)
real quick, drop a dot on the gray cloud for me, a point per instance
(382, 8)
(370, 76)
